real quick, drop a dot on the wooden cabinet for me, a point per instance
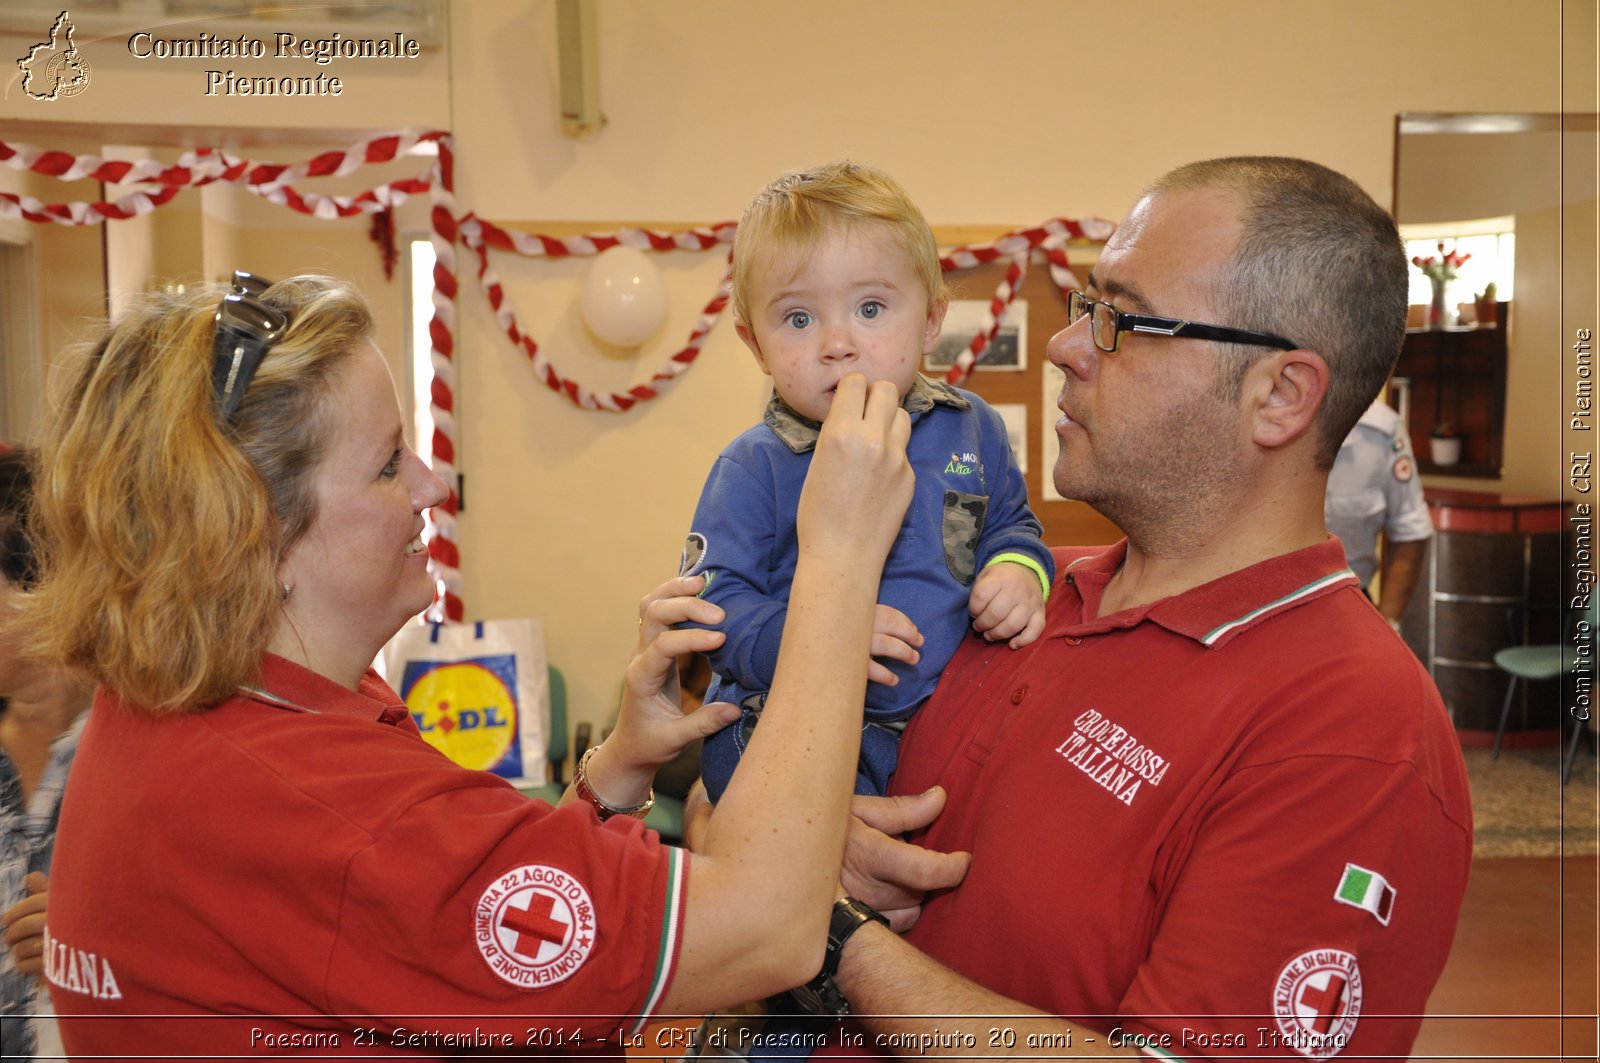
(1459, 375)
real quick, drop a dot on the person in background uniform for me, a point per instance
(1373, 488)
(42, 713)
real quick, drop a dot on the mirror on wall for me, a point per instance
(1489, 186)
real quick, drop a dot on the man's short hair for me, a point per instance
(792, 213)
(1318, 262)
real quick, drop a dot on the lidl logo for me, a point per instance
(465, 709)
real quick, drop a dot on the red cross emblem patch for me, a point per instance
(1317, 1000)
(535, 926)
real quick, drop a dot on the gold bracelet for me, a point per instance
(580, 783)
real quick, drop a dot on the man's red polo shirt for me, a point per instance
(1232, 822)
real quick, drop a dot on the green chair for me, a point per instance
(556, 750)
(666, 817)
(1546, 661)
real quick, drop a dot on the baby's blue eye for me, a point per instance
(871, 309)
(797, 319)
(392, 469)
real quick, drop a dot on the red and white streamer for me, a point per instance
(443, 551)
(993, 314)
(274, 182)
(27, 208)
(1050, 239)
(204, 165)
(328, 208)
(532, 245)
(379, 149)
(155, 184)
(197, 167)
(479, 236)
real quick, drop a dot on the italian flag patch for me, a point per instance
(1367, 890)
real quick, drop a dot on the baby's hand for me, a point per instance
(1007, 603)
(893, 636)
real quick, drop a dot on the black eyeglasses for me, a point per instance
(1107, 324)
(246, 329)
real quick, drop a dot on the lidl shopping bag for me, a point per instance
(479, 692)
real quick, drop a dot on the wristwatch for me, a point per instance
(821, 995)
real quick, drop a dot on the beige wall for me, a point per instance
(999, 114)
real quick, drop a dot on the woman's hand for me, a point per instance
(860, 482)
(652, 727)
(767, 873)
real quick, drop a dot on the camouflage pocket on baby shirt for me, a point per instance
(963, 525)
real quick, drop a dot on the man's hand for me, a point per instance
(879, 868)
(890, 874)
(1007, 603)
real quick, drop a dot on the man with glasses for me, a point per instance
(1217, 808)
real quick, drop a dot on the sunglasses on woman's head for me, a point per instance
(246, 329)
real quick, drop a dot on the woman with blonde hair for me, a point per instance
(258, 850)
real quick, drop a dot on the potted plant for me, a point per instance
(1487, 309)
(1444, 444)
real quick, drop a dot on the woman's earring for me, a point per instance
(288, 589)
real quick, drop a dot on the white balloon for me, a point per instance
(624, 300)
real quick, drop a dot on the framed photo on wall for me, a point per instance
(1015, 416)
(964, 320)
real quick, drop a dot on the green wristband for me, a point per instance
(1030, 564)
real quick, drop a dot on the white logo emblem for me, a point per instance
(535, 926)
(1317, 1000)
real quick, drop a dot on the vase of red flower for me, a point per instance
(1439, 315)
(1440, 270)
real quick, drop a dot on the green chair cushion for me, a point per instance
(1534, 662)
